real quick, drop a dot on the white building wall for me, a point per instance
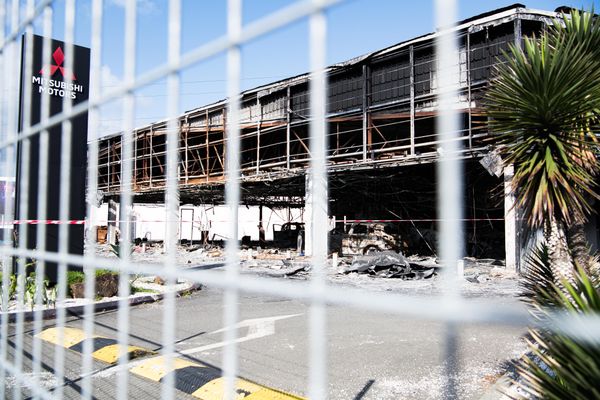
(150, 220)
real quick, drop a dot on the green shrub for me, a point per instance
(116, 250)
(136, 289)
(75, 277)
(102, 272)
(12, 288)
(32, 290)
(12, 285)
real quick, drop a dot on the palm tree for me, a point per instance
(544, 106)
(580, 29)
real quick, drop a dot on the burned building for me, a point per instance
(382, 144)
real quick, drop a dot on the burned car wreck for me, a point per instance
(365, 238)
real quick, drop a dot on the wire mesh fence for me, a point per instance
(22, 359)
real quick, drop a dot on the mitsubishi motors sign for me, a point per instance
(46, 83)
(56, 81)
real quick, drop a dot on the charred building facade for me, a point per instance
(382, 144)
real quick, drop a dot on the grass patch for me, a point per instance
(135, 289)
(102, 272)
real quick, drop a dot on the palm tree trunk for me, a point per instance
(558, 251)
(577, 242)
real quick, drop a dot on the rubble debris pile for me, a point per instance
(389, 264)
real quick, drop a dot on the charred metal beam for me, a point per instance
(288, 117)
(366, 131)
(412, 99)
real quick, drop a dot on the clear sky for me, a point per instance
(355, 27)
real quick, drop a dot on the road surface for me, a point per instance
(371, 356)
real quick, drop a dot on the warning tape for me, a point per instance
(417, 220)
(83, 221)
(46, 222)
(337, 220)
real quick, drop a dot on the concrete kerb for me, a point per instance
(101, 305)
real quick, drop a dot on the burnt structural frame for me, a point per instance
(381, 113)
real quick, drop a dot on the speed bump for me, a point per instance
(155, 368)
(187, 376)
(202, 382)
(103, 349)
(110, 354)
(70, 337)
(215, 390)
(190, 379)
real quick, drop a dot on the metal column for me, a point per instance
(412, 100)
(511, 211)
(511, 244)
(207, 171)
(308, 211)
(366, 126)
(287, 128)
(151, 153)
(258, 135)
(469, 94)
(187, 133)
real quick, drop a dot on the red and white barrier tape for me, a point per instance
(46, 222)
(83, 221)
(416, 220)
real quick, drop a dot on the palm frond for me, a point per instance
(561, 367)
(537, 279)
(543, 108)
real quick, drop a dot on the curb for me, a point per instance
(99, 306)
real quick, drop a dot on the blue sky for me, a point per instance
(355, 27)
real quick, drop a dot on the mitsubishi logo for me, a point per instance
(59, 58)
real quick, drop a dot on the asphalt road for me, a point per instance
(371, 356)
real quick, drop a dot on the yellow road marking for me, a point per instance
(110, 354)
(74, 336)
(215, 389)
(155, 368)
(70, 338)
(270, 394)
(246, 390)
